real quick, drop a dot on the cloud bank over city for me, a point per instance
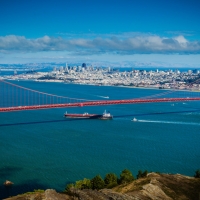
(143, 44)
(162, 33)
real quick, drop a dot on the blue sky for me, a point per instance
(127, 32)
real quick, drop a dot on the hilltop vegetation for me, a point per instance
(111, 180)
(147, 186)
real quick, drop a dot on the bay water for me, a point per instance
(41, 149)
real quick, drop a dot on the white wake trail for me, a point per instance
(169, 122)
(105, 97)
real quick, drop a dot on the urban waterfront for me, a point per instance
(42, 149)
(163, 78)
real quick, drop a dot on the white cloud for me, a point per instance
(114, 44)
(181, 39)
(105, 59)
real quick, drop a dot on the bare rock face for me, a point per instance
(163, 187)
(116, 195)
(104, 194)
(53, 195)
(49, 194)
(154, 192)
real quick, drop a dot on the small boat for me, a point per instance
(134, 120)
(106, 115)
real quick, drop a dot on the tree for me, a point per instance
(97, 183)
(197, 174)
(83, 184)
(142, 174)
(139, 175)
(145, 173)
(126, 176)
(68, 187)
(110, 180)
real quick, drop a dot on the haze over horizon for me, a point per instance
(114, 32)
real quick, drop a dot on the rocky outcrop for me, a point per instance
(163, 187)
(154, 186)
(48, 194)
(8, 183)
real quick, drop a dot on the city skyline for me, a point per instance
(139, 33)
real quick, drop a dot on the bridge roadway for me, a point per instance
(96, 103)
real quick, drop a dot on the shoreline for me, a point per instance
(123, 86)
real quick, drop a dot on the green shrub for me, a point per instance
(110, 178)
(39, 190)
(126, 176)
(142, 174)
(83, 184)
(68, 187)
(97, 183)
(111, 185)
(197, 174)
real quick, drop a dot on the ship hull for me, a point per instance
(105, 118)
(83, 116)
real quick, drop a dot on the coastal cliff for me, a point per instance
(154, 186)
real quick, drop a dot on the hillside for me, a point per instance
(154, 186)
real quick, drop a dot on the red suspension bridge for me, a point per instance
(16, 98)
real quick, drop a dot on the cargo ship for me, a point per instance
(84, 115)
(89, 116)
(106, 115)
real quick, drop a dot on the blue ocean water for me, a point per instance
(42, 149)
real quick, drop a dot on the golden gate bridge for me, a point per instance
(14, 97)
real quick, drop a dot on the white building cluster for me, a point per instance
(165, 79)
(137, 78)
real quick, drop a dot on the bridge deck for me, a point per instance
(96, 103)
